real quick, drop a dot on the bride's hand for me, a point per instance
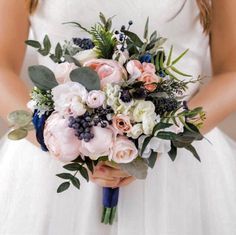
(107, 175)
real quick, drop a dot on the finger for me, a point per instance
(126, 181)
(108, 172)
(112, 164)
(106, 183)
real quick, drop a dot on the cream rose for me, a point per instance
(135, 131)
(142, 109)
(123, 151)
(84, 56)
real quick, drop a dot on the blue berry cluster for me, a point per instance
(83, 43)
(101, 116)
(82, 126)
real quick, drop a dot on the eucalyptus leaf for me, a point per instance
(87, 77)
(19, 118)
(134, 38)
(63, 187)
(18, 134)
(29, 127)
(47, 44)
(42, 77)
(71, 59)
(137, 168)
(79, 26)
(33, 43)
(58, 51)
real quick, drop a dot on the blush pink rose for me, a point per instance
(123, 151)
(149, 67)
(109, 71)
(60, 139)
(95, 99)
(122, 123)
(100, 145)
(62, 72)
(149, 80)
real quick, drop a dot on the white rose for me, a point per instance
(148, 123)
(135, 131)
(157, 145)
(143, 109)
(62, 72)
(84, 56)
(95, 99)
(69, 98)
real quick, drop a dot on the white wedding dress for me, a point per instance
(181, 198)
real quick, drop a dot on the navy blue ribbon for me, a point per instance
(110, 197)
(39, 123)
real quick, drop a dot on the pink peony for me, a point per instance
(69, 99)
(122, 123)
(62, 72)
(95, 99)
(149, 67)
(109, 71)
(100, 145)
(123, 151)
(60, 139)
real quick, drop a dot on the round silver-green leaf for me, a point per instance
(17, 134)
(19, 118)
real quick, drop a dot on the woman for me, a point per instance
(179, 198)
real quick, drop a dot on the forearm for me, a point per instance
(218, 99)
(14, 93)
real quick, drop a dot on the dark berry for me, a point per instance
(130, 22)
(122, 28)
(117, 32)
(140, 93)
(125, 96)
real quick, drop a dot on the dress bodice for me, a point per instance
(177, 20)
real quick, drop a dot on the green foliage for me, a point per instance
(78, 166)
(104, 41)
(20, 121)
(42, 77)
(87, 77)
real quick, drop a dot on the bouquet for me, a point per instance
(110, 97)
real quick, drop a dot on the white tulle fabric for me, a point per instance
(181, 198)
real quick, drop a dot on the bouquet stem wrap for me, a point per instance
(110, 202)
